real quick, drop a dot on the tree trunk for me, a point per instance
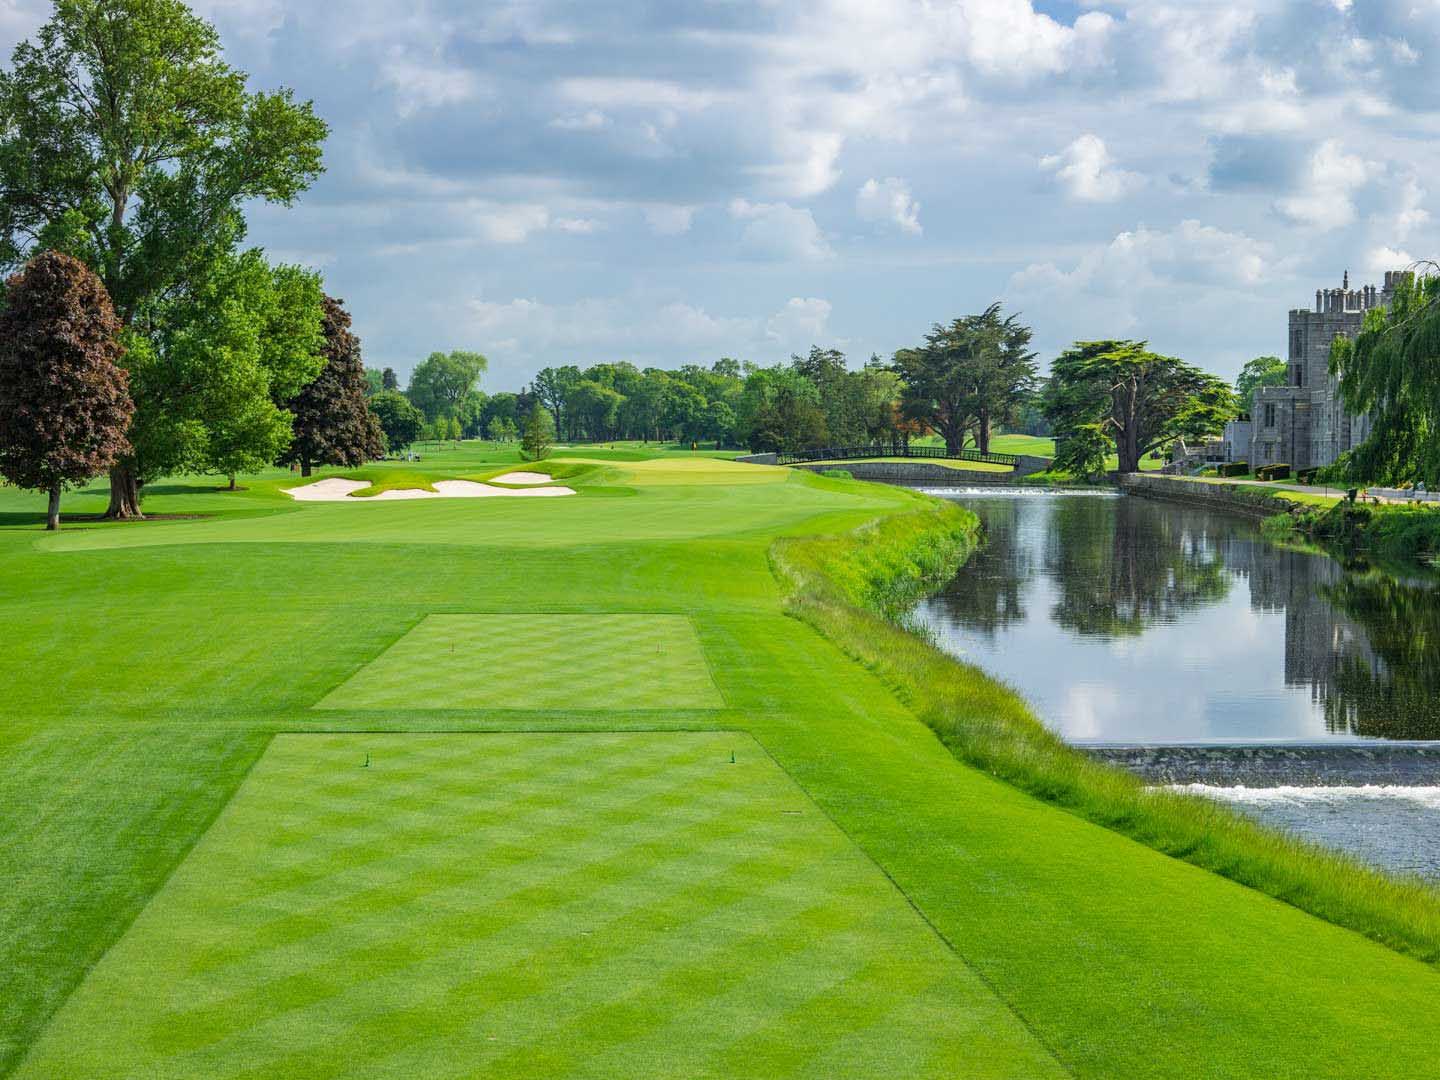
(982, 435)
(124, 494)
(305, 466)
(232, 483)
(52, 520)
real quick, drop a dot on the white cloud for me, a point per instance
(1411, 213)
(1010, 38)
(1325, 199)
(780, 231)
(889, 202)
(501, 224)
(426, 82)
(801, 321)
(1144, 258)
(665, 220)
(1088, 173)
(637, 93)
(578, 226)
(1380, 259)
(589, 120)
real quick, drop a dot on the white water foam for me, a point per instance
(1428, 797)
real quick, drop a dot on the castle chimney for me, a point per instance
(1345, 284)
(1319, 294)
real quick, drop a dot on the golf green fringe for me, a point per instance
(855, 589)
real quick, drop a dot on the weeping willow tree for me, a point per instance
(1391, 371)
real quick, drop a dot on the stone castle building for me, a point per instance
(1304, 424)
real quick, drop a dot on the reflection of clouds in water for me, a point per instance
(1202, 663)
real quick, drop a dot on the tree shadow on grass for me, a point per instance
(80, 521)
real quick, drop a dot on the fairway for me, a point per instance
(603, 662)
(643, 905)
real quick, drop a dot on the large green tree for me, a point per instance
(216, 364)
(333, 421)
(1391, 371)
(64, 404)
(442, 382)
(128, 141)
(1140, 399)
(1262, 371)
(401, 421)
(968, 377)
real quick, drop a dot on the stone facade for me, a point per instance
(1304, 424)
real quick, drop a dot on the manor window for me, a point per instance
(1269, 415)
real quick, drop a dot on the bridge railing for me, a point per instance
(862, 453)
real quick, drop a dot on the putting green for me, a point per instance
(528, 905)
(601, 662)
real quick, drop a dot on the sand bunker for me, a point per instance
(338, 489)
(523, 478)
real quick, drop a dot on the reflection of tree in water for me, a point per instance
(987, 593)
(1124, 565)
(1397, 694)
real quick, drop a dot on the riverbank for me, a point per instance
(989, 726)
(1396, 531)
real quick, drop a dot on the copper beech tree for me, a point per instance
(333, 421)
(64, 401)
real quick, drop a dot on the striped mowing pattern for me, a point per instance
(528, 906)
(533, 661)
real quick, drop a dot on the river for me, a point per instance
(1180, 642)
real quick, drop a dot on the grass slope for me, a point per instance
(149, 664)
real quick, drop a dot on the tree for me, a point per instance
(64, 403)
(1262, 371)
(596, 406)
(401, 421)
(333, 421)
(389, 380)
(443, 380)
(552, 387)
(1391, 372)
(1083, 451)
(126, 140)
(791, 422)
(374, 381)
(1140, 399)
(535, 438)
(968, 377)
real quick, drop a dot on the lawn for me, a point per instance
(594, 905)
(204, 879)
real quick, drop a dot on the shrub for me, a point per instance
(1273, 472)
(1233, 468)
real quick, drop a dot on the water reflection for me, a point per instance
(1127, 620)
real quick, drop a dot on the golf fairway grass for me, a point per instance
(203, 878)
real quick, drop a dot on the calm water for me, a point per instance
(1128, 621)
(1125, 620)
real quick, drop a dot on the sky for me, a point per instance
(565, 181)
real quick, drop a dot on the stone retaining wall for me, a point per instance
(913, 472)
(1248, 499)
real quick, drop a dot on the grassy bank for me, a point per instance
(1403, 533)
(851, 588)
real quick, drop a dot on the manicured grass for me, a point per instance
(965, 466)
(529, 905)
(602, 662)
(148, 665)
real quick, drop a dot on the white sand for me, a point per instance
(523, 478)
(338, 489)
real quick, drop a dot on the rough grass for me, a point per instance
(850, 588)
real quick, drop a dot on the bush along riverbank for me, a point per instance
(1401, 533)
(855, 589)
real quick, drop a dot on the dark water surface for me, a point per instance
(1130, 622)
